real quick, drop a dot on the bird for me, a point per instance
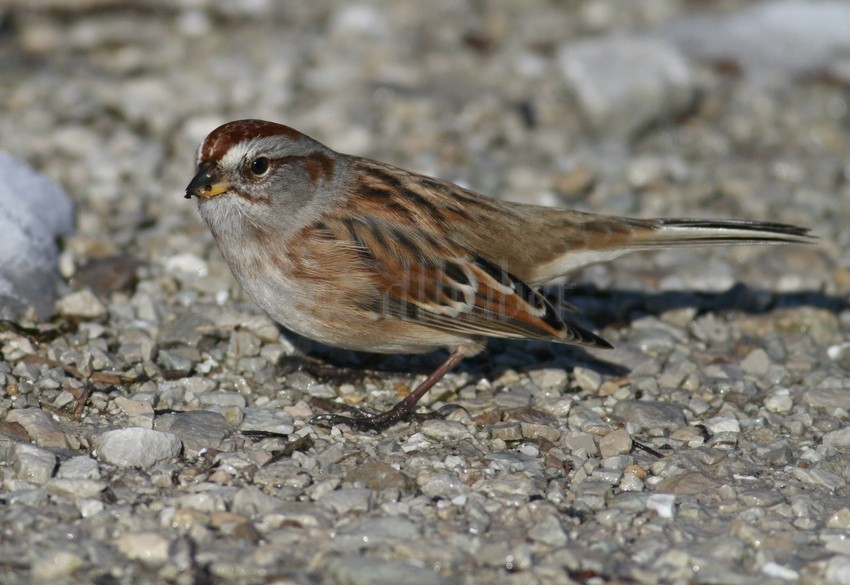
(362, 255)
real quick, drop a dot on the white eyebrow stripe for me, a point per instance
(239, 153)
(234, 157)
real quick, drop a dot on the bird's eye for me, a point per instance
(260, 165)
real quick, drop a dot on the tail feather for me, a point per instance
(628, 235)
(708, 232)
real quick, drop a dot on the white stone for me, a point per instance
(136, 447)
(663, 504)
(149, 547)
(772, 569)
(723, 424)
(779, 402)
(186, 267)
(82, 304)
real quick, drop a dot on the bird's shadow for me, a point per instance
(597, 309)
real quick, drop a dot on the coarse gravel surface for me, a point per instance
(156, 430)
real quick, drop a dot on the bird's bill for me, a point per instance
(207, 183)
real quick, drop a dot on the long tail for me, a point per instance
(615, 236)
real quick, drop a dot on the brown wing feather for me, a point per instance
(420, 277)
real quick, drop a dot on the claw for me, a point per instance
(401, 411)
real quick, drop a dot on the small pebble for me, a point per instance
(31, 463)
(779, 402)
(777, 571)
(348, 501)
(80, 467)
(588, 380)
(40, 426)
(549, 531)
(82, 304)
(839, 439)
(534, 432)
(197, 430)
(444, 430)
(615, 443)
(74, 488)
(630, 482)
(756, 363)
(186, 267)
(721, 424)
(56, 565)
(649, 415)
(150, 548)
(839, 520)
(837, 570)
(662, 504)
(378, 476)
(507, 431)
(549, 378)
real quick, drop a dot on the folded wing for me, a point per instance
(439, 283)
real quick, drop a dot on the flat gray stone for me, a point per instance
(549, 378)
(58, 566)
(80, 467)
(441, 485)
(284, 477)
(615, 443)
(444, 430)
(650, 415)
(549, 531)
(378, 476)
(357, 570)
(268, 420)
(838, 570)
(348, 500)
(819, 477)
(828, 397)
(252, 501)
(31, 463)
(74, 488)
(187, 329)
(137, 447)
(839, 439)
(82, 304)
(151, 548)
(373, 532)
(756, 363)
(40, 426)
(197, 429)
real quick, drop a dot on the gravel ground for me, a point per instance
(156, 430)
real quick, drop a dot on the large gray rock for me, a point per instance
(771, 40)
(34, 213)
(624, 83)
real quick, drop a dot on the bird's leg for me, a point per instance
(402, 409)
